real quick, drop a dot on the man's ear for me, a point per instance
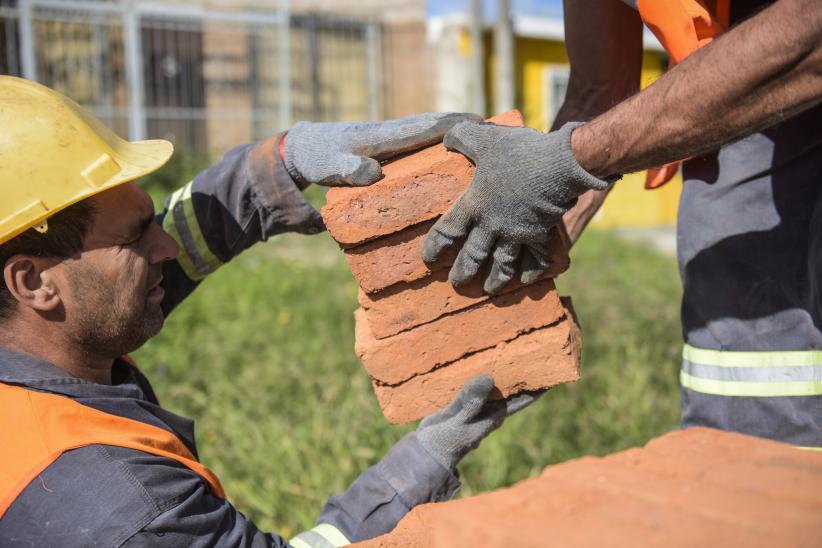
(32, 282)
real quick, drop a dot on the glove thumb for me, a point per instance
(517, 403)
(469, 138)
(472, 398)
(466, 405)
(353, 170)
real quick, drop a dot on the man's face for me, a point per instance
(112, 302)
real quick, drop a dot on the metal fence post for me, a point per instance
(477, 58)
(372, 37)
(284, 46)
(132, 48)
(504, 52)
(28, 59)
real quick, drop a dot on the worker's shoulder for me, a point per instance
(99, 494)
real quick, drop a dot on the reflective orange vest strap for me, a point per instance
(655, 177)
(37, 428)
(682, 27)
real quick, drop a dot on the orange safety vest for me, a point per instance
(682, 27)
(36, 428)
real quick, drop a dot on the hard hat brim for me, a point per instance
(56, 153)
(135, 160)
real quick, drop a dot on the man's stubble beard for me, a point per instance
(107, 322)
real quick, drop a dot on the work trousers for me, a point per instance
(749, 243)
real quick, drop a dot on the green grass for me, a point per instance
(261, 356)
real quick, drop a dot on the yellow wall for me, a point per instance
(629, 204)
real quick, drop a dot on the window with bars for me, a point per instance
(9, 39)
(556, 86)
(205, 83)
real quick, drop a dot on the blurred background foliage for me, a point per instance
(262, 357)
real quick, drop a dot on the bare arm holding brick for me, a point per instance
(604, 45)
(756, 75)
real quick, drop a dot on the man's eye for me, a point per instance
(132, 243)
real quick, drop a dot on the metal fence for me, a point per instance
(206, 79)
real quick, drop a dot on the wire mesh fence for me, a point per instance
(206, 79)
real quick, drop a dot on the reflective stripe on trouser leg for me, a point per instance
(321, 536)
(757, 374)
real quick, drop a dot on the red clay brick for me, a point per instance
(396, 258)
(416, 188)
(419, 350)
(539, 359)
(696, 487)
(405, 306)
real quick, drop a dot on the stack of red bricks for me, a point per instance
(695, 487)
(419, 338)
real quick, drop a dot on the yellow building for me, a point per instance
(541, 78)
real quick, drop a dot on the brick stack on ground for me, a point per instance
(418, 338)
(696, 487)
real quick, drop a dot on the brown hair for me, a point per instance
(64, 238)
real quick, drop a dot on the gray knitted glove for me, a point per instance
(453, 432)
(348, 153)
(525, 181)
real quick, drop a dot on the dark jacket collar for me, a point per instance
(31, 372)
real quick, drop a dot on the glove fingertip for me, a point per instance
(519, 403)
(503, 267)
(515, 404)
(494, 284)
(534, 265)
(497, 279)
(434, 245)
(472, 257)
(367, 173)
(476, 392)
(463, 272)
(454, 136)
(452, 119)
(462, 138)
(482, 383)
(458, 277)
(530, 276)
(448, 229)
(475, 388)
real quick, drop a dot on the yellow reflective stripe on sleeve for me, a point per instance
(170, 226)
(747, 388)
(331, 533)
(203, 250)
(296, 542)
(720, 358)
(817, 449)
(195, 258)
(321, 536)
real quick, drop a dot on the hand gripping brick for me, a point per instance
(420, 339)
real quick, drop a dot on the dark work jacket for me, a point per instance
(112, 496)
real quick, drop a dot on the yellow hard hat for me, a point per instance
(54, 153)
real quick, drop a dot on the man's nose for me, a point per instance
(163, 246)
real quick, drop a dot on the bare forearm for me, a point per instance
(603, 39)
(604, 44)
(759, 73)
